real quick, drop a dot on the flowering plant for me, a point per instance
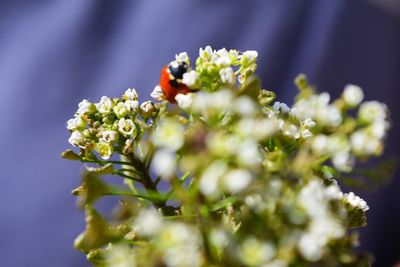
(227, 176)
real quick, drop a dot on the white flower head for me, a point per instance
(130, 94)
(191, 79)
(182, 57)
(355, 201)
(169, 134)
(120, 110)
(372, 111)
(109, 136)
(164, 163)
(132, 105)
(76, 139)
(127, 127)
(343, 161)
(148, 222)
(184, 100)
(158, 93)
(207, 53)
(105, 150)
(236, 180)
(148, 109)
(227, 76)
(352, 95)
(249, 56)
(254, 252)
(105, 105)
(209, 180)
(85, 107)
(76, 124)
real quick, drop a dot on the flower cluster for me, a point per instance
(229, 176)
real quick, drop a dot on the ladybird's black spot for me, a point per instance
(177, 70)
(174, 83)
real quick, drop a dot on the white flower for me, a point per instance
(363, 143)
(158, 93)
(120, 110)
(105, 150)
(279, 107)
(247, 153)
(306, 134)
(184, 100)
(148, 222)
(76, 139)
(119, 255)
(355, 201)
(222, 61)
(182, 57)
(191, 79)
(109, 136)
(148, 109)
(85, 107)
(227, 75)
(352, 95)
(372, 111)
(343, 161)
(105, 105)
(207, 53)
(127, 127)
(245, 106)
(76, 123)
(378, 129)
(164, 163)
(236, 180)
(309, 123)
(169, 134)
(130, 94)
(249, 56)
(209, 180)
(254, 252)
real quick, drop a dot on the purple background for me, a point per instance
(55, 53)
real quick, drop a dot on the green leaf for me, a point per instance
(71, 155)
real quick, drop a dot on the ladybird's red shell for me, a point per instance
(171, 89)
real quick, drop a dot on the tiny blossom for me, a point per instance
(281, 107)
(207, 53)
(306, 134)
(227, 75)
(184, 100)
(222, 61)
(105, 105)
(76, 139)
(158, 93)
(247, 153)
(182, 57)
(250, 56)
(148, 109)
(119, 256)
(245, 106)
(236, 180)
(132, 106)
(109, 136)
(378, 129)
(355, 201)
(148, 222)
(352, 95)
(105, 150)
(363, 143)
(130, 94)
(85, 107)
(309, 123)
(372, 111)
(164, 163)
(169, 134)
(120, 110)
(254, 252)
(127, 127)
(75, 124)
(343, 161)
(210, 178)
(191, 79)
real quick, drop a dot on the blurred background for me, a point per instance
(55, 53)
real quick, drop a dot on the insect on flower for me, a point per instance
(171, 80)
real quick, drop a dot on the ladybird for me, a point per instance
(171, 80)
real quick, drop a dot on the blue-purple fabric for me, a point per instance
(55, 53)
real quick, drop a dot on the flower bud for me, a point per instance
(148, 109)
